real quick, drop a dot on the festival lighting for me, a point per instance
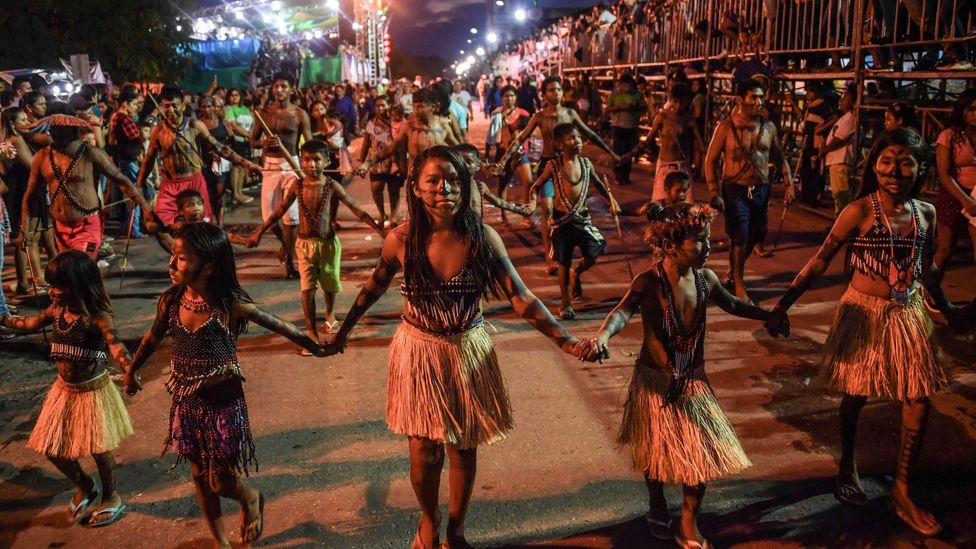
(266, 17)
(520, 15)
(469, 40)
(462, 52)
(499, 3)
(470, 60)
(333, 4)
(239, 15)
(276, 5)
(317, 33)
(480, 50)
(474, 30)
(356, 26)
(492, 37)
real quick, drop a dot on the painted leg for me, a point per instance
(914, 416)
(463, 468)
(209, 504)
(426, 463)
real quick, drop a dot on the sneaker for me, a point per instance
(102, 264)
(105, 255)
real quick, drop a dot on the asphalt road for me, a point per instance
(335, 476)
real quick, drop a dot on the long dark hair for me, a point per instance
(906, 137)
(957, 119)
(75, 272)
(7, 119)
(211, 246)
(418, 274)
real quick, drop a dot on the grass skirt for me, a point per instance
(447, 388)
(877, 348)
(687, 442)
(81, 419)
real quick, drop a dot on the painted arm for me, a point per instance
(728, 302)
(593, 136)
(150, 342)
(356, 210)
(499, 202)
(223, 150)
(365, 147)
(519, 139)
(527, 306)
(106, 323)
(274, 324)
(374, 288)
(712, 155)
(34, 184)
(619, 317)
(149, 159)
(29, 323)
(399, 141)
(106, 166)
(286, 202)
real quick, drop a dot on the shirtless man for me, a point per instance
(175, 140)
(545, 121)
(423, 130)
(745, 140)
(68, 168)
(679, 135)
(288, 122)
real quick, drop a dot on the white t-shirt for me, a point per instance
(406, 101)
(843, 129)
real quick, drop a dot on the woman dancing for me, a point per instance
(880, 344)
(445, 387)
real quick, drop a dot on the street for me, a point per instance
(334, 476)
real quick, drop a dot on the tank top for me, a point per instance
(76, 341)
(456, 309)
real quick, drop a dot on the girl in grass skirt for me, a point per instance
(673, 423)
(880, 344)
(445, 387)
(83, 414)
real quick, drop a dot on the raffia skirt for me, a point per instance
(878, 348)
(686, 442)
(447, 388)
(81, 419)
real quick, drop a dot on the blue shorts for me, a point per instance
(746, 212)
(548, 190)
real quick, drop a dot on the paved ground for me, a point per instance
(334, 476)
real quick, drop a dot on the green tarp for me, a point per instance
(198, 80)
(316, 70)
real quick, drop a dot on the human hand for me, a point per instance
(789, 194)
(151, 225)
(131, 382)
(271, 143)
(253, 168)
(970, 207)
(253, 241)
(596, 350)
(717, 203)
(362, 169)
(617, 159)
(777, 323)
(21, 244)
(7, 151)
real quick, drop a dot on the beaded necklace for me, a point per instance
(572, 210)
(898, 271)
(682, 346)
(314, 221)
(62, 179)
(194, 305)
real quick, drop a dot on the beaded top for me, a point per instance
(564, 209)
(75, 341)
(457, 306)
(871, 253)
(199, 354)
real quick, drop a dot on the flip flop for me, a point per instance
(79, 512)
(115, 512)
(692, 544)
(659, 528)
(849, 493)
(906, 517)
(763, 253)
(567, 314)
(254, 529)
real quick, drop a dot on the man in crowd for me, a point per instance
(625, 107)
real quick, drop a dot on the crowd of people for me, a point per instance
(172, 157)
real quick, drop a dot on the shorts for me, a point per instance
(661, 171)
(548, 190)
(84, 235)
(166, 209)
(318, 263)
(394, 181)
(277, 179)
(746, 212)
(575, 234)
(948, 210)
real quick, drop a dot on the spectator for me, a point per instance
(955, 160)
(901, 114)
(625, 107)
(493, 99)
(838, 153)
(528, 95)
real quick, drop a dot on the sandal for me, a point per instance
(79, 512)
(330, 327)
(115, 512)
(764, 253)
(659, 528)
(568, 313)
(417, 544)
(849, 493)
(255, 528)
(908, 519)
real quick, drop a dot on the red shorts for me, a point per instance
(166, 209)
(84, 235)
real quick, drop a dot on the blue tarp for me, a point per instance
(223, 54)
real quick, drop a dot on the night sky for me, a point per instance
(441, 27)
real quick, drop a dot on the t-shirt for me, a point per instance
(380, 138)
(240, 115)
(461, 113)
(406, 101)
(632, 105)
(963, 156)
(462, 98)
(843, 129)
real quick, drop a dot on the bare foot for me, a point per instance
(428, 533)
(914, 516)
